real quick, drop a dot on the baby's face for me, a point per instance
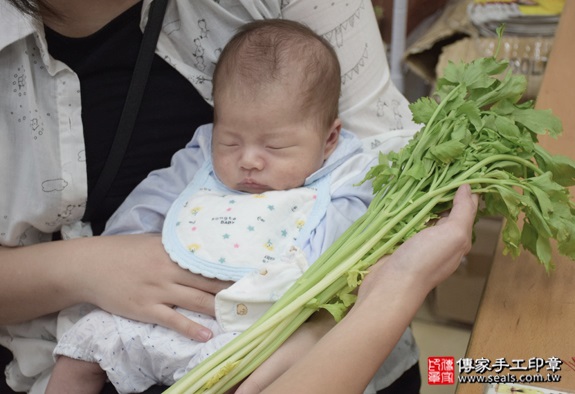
(264, 144)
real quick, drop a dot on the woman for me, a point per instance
(67, 67)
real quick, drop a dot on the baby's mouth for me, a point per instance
(252, 186)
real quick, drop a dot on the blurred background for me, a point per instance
(422, 36)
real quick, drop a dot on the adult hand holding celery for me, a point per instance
(475, 131)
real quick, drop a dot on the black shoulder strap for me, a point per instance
(131, 107)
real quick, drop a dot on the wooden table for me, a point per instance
(525, 313)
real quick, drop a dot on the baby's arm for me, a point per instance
(145, 208)
(349, 201)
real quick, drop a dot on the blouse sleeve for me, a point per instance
(370, 105)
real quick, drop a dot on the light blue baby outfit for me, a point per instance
(262, 242)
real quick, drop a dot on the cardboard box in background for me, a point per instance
(527, 56)
(453, 37)
(458, 297)
(417, 12)
(452, 25)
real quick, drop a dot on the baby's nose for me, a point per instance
(251, 159)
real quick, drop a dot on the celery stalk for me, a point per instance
(479, 133)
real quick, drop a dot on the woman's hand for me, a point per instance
(347, 357)
(433, 254)
(387, 300)
(127, 275)
(149, 285)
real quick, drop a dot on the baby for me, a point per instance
(265, 190)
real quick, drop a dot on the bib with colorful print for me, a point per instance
(219, 233)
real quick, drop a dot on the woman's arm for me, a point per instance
(128, 275)
(345, 360)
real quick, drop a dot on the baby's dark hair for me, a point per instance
(265, 51)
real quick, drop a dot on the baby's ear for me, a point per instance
(332, 138)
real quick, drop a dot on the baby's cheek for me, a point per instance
(223, 170)
(291, 178)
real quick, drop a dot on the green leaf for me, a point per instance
(376, 171)
(494, 205)
(563, 221)
(539, 121)
(348, 299)
(511, 236)
(544, 188)
(461, 132)
(423, 109)
(452, 75)
(534, 215)
(500, 148)
(417, 171)
(513, 201)
(512, 88)
(547, 183)
(568, 249)
(337, 310)
(354, 278)
(447, 151)
(566, 240)
(504, 107)
(475, 74)
(507, 128)
(472, 113)
(450, 96)
(543, 247)
(478, 74)
(529, 238)
(562, 167)
(493, 66)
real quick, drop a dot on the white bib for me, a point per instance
(219, 233)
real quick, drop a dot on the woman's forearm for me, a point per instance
(40, 279)
(127, 275)
(346, 359)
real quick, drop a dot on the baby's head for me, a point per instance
(276, 89)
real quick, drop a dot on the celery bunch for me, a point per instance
(475, 131)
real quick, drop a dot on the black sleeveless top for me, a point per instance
(170, 111)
